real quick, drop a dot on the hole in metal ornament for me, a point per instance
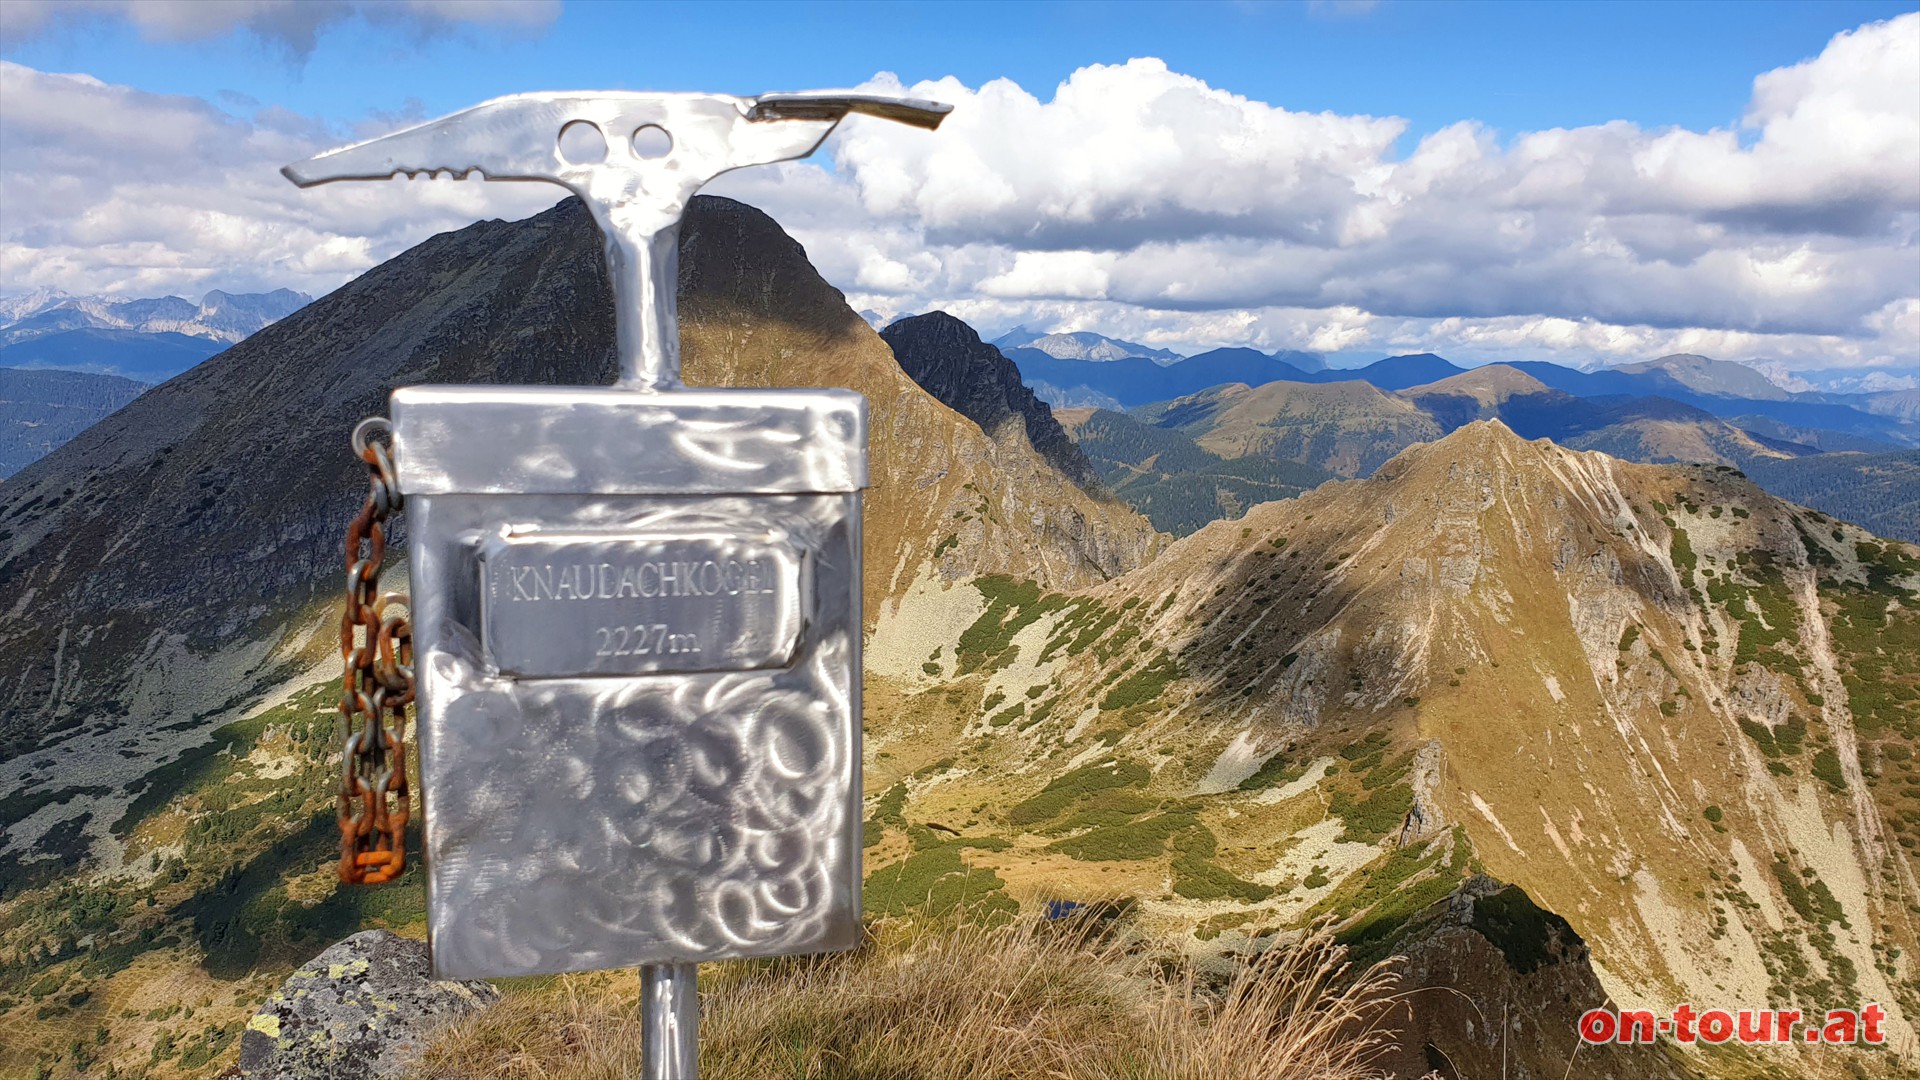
(651, 141)
(582, 143)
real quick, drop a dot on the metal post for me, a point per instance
(669, 1022)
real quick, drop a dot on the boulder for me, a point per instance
(363, 1008)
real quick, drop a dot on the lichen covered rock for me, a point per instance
(363, 1008)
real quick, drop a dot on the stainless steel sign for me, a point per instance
(639, 603)
(637, 609)
(639, 708)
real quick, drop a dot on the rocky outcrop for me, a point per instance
(1530, 977)
(363, 1008)
(971, 377)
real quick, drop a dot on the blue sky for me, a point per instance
(1589, 182)
(1513, 66)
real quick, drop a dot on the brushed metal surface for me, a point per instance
(508, 439)
(566, 604)
(574, 824)
(670, 1022)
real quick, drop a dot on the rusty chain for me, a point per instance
(376, 651)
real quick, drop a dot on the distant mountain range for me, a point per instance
(67, 361)
(1765, 380)
(1194, 440)
(221, 316)
(1132, 381)
(148, 340)
(1836, 380)
(1081, 345)
(1719, 387)
(1351, 428)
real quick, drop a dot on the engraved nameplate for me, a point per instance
(562, 605)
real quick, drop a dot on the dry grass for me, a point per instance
(1030, 999)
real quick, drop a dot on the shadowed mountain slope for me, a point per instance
(39, 410)
(1177, 485)
(128, 354)
(1879, 492)
(1397, 372)
(949, 361)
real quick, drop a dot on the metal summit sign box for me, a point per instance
(635, 613)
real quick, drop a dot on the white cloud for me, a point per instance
(1140, 202)
(1146, 187)
(1123, 155)
(1080, 274)
(106, 189)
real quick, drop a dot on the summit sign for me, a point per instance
(585, 604)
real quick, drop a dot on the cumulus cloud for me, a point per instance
(1141, 202)
(294, 25)
(1143, 186)
(107, 189)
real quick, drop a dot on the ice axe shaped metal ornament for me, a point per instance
(656, 151)
(635, 614)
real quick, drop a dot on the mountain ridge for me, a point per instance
(947, 358)
(1663, 702)
(220, 316)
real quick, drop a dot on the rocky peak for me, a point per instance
(948, 359)
(1490, 937)
(1600, 653)
(1478, 443)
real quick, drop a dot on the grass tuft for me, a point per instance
(1028, 999)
